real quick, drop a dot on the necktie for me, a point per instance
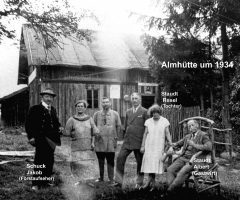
(49, 109)
(193, 136)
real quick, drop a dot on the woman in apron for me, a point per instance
(81, 128)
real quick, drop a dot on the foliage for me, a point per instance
(217, 115)
(187, 81)
(235, 101)
(51, 19)
(192, 30)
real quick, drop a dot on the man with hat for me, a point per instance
(43, 131)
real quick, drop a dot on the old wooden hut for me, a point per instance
(112, 65)
(14, 108)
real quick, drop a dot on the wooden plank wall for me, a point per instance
(34, 90)
(175, 115)
(69, 93)
(14, 109)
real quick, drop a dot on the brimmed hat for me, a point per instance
(48, 91)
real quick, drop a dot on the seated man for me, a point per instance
(192, 143)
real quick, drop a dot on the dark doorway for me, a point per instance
(147, 101)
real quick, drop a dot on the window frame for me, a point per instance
(92, 98)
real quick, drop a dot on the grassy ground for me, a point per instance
(11, 188)
(230, 186)
(11, 142)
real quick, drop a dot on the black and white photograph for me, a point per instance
(110, 99)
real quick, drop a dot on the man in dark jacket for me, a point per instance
(43, 131)
(179, 170)
(134, 130)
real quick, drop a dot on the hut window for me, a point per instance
(154, 90)
(92, 98)
(142, 89)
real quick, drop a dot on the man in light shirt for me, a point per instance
(109, 125)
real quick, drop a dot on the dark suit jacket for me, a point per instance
(203, 144)
(39, 125)
(134, 128)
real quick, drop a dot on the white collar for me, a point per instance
(44, 104)
(135, 109)
(195, 134)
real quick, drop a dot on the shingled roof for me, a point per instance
(107, 50)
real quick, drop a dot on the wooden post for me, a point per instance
(211, 132)
(212, 103)
(231, 144)
(225, 83)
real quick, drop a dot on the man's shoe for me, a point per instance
(117, 185)
(111, 182)
(35, 188)
(99, 180)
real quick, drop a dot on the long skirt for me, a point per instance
(84, 165)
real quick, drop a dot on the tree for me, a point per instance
(188, 18)
(183, 43)
(52, 19)
(187, 81)
(234, 101)
(235, 86)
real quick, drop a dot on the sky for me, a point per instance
(113, 16)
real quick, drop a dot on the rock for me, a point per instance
(226, 155)
(23, 133)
